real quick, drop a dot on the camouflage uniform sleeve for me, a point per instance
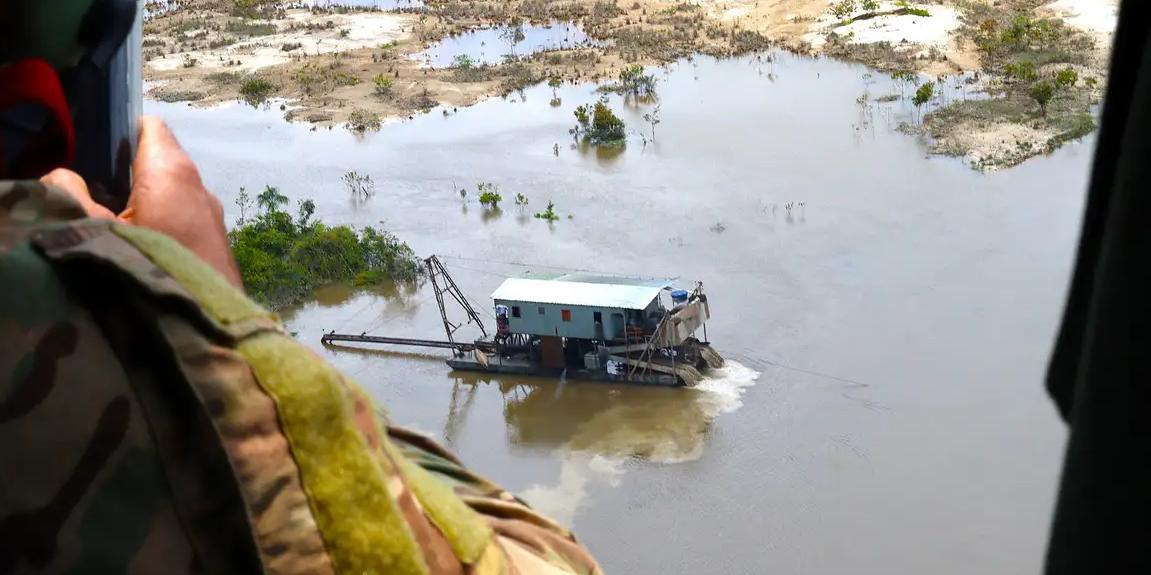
(82, 479)
(160, 420)
(526, 536)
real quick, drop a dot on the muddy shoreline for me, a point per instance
(358, 67)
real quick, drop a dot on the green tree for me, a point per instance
(282, 260)
(1042, 92)
(554, 83)
(271, 199)
(599, 125)
(870, 5)
(521, 201)
(923, 94)
(305, 209)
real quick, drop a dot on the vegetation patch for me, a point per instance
(179, 96)
(245, 28)
(632, 81)
(255, 91)
(598, 125)
(283, 259)
(465, 69)
(361, 121)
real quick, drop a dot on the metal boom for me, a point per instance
(435, 268)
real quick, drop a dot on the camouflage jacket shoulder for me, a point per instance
(154, 418)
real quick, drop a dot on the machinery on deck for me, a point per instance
(581, 325)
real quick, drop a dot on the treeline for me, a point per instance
(284, 258)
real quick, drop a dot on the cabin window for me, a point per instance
(540, 310)
(597, 317)
(515, 311)
(566, 314)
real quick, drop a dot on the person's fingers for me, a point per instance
(154, 133)
(74, 185)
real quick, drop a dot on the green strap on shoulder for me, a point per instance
(218, 297)
(358, 519)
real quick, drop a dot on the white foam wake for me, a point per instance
(724, 387)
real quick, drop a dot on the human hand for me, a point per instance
(167, 196)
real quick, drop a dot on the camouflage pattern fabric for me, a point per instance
(152, 418)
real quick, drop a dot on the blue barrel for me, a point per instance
(679, 296)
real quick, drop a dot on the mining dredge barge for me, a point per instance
(577, 325)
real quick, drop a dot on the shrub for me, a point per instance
(843, 8)
(466, 69)
(549, 214)
(1066, 77)
(1042, 92)
(255, 91)
(1023, 70)
(489, 195)
(361, 121)
(250, 28)
(383, 86)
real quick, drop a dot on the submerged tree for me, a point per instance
(489, 195)
(554, 83)
(361, 186)
(634, 82)
(652, 118)
(549, 214)
(513, 34)
(598, 125)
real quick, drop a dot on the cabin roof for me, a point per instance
(583, 293)
(591, 278)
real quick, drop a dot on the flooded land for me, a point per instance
(887, 313)
(1037, 66)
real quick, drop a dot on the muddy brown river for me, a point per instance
(883, 408)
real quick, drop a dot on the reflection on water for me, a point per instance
(595, 428)
(491, 45)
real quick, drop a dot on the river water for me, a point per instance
(883, 408)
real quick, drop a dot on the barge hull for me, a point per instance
(509, 366)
